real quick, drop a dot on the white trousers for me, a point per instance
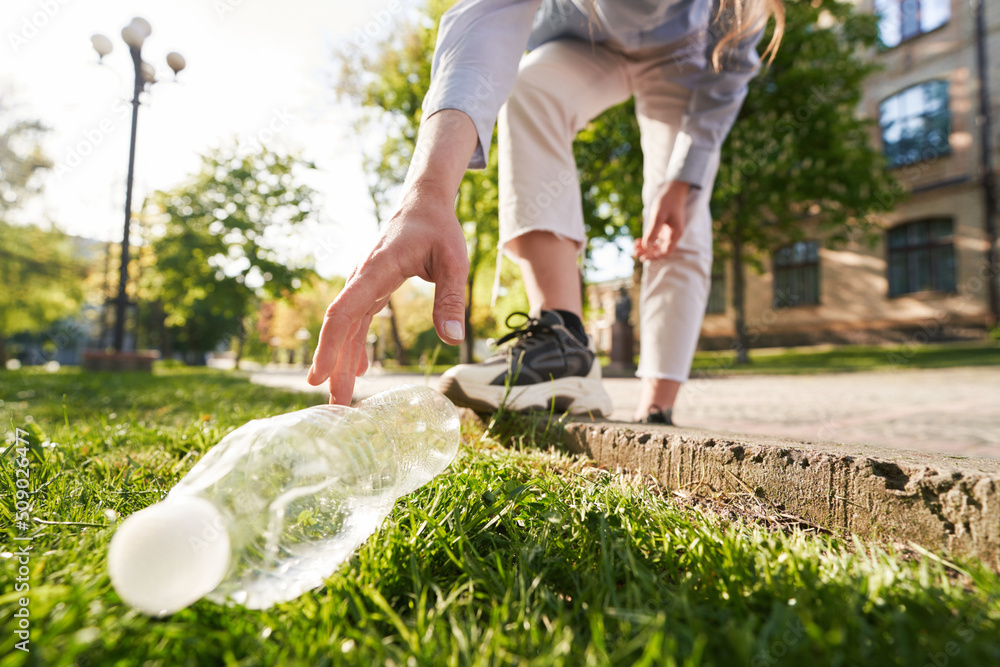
(560, 87)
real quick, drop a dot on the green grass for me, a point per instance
(516, 555)
(848, 358)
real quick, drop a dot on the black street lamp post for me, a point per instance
(134, 34)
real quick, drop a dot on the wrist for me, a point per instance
(428, 188)
(427, 204)
(445, 144)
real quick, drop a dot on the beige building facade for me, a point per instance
(927, 277)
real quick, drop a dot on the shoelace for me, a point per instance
(529, 332)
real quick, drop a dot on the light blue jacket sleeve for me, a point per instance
(480, 43)
(479, 46)
(715, 102)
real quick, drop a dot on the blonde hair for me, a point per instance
(738, 20)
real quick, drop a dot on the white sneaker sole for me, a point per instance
(576, 395)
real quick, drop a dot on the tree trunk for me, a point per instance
(742, 341)
(241, 339)
(106, 293)
(397, 342)
(465, 352)
(475, 258)
(3, 353)
(166, 349)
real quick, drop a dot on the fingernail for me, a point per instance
(454, 330)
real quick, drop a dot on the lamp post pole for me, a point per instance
(121, 301)
(134, 34)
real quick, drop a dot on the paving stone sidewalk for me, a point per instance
(954, 411)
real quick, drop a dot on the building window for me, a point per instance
(796, 275)
(916, 123)
(921, 257)
(717, 292)
(900, 20)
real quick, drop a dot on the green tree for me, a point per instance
(799, 153)
(21, 159)
(39, 269)
(219, 251)
(282, 318)
(42, 279)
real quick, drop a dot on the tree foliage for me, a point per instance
(40, 271)
(799, 149)
(798, 157)
(42, 277)
(279, 320)
(21, 158)
(609, 165)
(218, 250)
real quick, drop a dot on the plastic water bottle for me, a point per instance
(280, 503)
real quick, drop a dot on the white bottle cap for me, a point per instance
(169, 555)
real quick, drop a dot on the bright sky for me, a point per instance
(255, 71)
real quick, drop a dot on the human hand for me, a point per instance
(668, 220)
(423, 239)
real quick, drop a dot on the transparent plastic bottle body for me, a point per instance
(296, 494)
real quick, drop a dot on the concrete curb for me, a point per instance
(942, 503)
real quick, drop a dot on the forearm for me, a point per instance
(479, 45)
(446, 141)
(423, 238)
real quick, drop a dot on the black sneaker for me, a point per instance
(547, 367)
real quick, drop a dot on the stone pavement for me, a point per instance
(954, 411)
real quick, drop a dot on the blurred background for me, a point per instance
(856, 203)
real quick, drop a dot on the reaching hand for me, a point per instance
(423, 239)
(668, 219)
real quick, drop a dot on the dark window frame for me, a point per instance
(940, 252)
(905, 35)
(793, 273)
(926, 150)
